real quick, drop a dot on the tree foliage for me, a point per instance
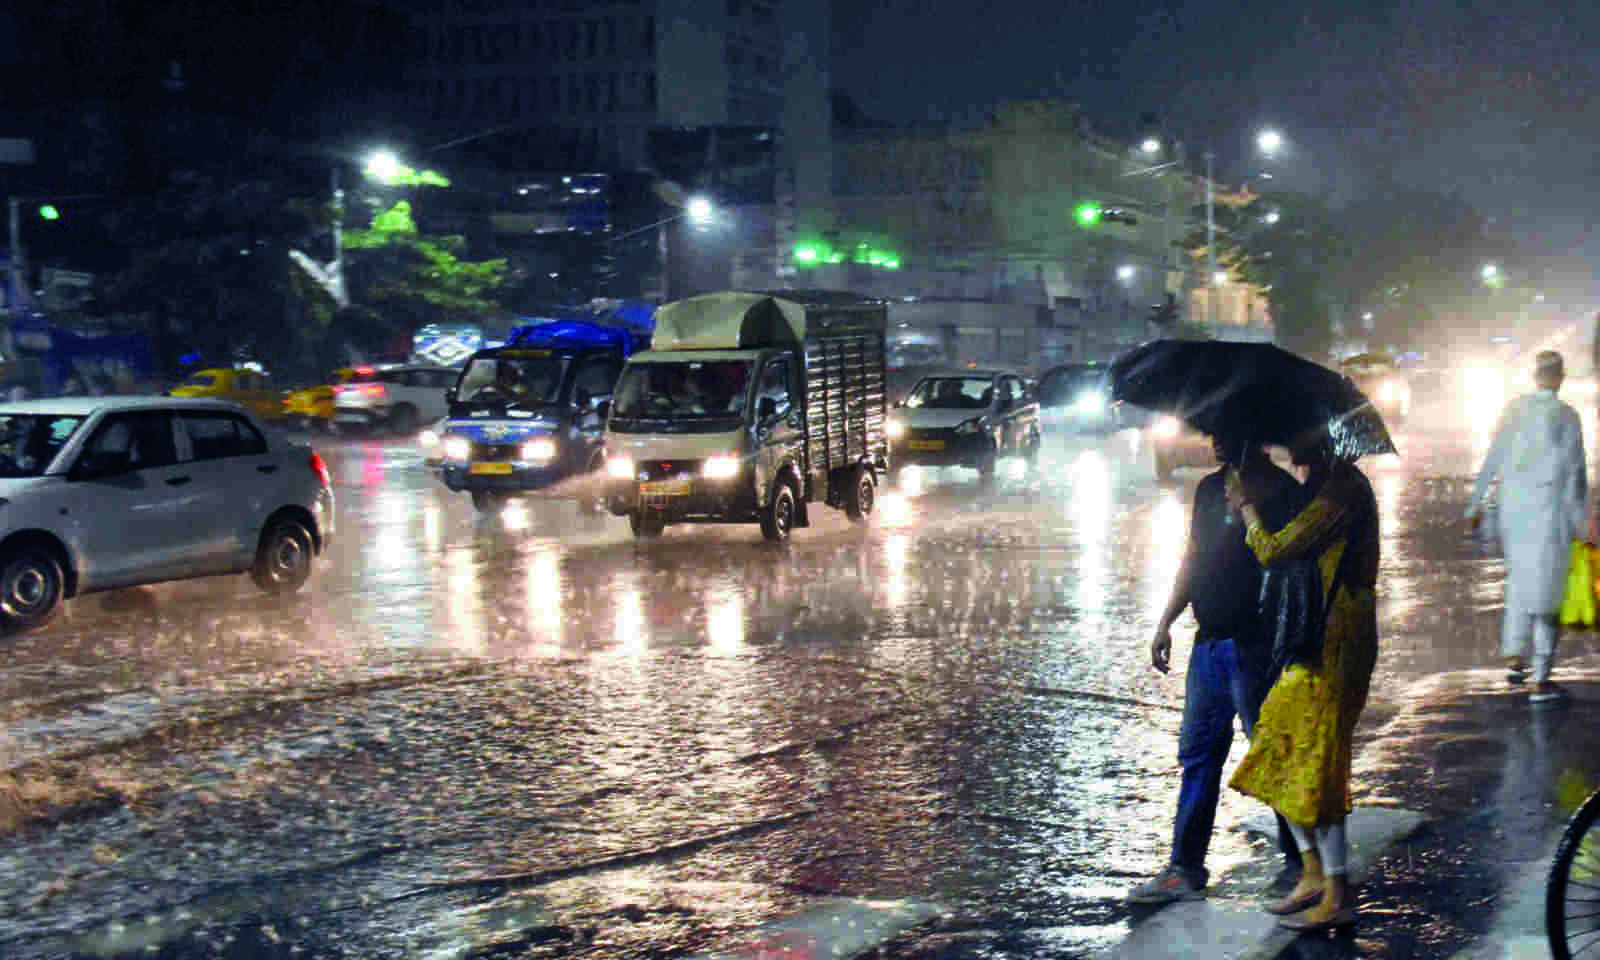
(416, 279)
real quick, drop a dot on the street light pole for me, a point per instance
(1211, 248)
(13, 262)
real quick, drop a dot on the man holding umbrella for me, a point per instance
(1537, 454)
(1229, 665)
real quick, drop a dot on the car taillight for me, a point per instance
(319, 466)
(372, 389)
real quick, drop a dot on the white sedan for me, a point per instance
(98, 493)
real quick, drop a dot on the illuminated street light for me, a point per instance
(1489, 271)
(383, 165)
(1272, 216)
(1151, 145)
(700, 210)
(1269, 142)
(1367, 316)
(1219, 278)
(1126, 272)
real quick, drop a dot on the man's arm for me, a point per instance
(1491, 463)
(1182, 593)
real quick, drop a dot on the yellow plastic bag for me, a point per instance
(1578, 605)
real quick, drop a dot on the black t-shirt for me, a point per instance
(1224, 575)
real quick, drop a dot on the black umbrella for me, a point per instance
(1253, 391)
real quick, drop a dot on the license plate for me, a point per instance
(927, 444)
(497, 469)
(674, 487)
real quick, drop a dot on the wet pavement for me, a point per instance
(528, 735)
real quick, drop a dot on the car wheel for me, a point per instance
(777, 521)
(283, 560)
(488, 501)
(31, 590)
(646, 524)
(863, 496)
(403, 419)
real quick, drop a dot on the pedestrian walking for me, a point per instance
(1299, 759)
(1227, 675)
(1537, 455)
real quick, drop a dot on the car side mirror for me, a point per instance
(766, 408)
(449, 394)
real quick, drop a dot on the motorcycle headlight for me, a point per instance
(970, 426)
(539, 450)
(894, 428)
(720, 467)
(457, 448)
(1166, 428)
(1091, 401)
(619, 468)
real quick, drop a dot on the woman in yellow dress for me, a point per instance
(1299, 758)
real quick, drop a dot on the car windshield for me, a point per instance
(952, 393)
(29, 442)
(1062, 387)
(524, 377)
(683, 390)
(200, 380)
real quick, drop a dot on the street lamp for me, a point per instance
(1126, 273)
(1150, 146)
(700, 210)
(1269, 142)
(383, 165)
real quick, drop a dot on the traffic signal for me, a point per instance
(48, 211)
(1088, 214)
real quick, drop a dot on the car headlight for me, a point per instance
(428, 439)
(539, 450)
(1166, 427)
(457, 448)
(894, 428)
(619, 468)
(720, 467)
(1091, 401)
(970, 426)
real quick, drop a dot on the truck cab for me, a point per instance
(530, 415)
(750, 407)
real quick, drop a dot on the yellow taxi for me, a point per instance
(313, 406)
(251, 389)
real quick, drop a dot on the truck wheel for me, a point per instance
(403, 419)
(863, 496)
(283, 559)
(30, 590)
(488, 501)
(778, 519)
(646, 524)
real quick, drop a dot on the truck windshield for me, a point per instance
(952, 393)
(683, 390)
(29, 442)
(525, 377)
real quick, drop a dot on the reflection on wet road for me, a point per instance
(952, 704)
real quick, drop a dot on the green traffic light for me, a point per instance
(49, 212)
(1088, 214)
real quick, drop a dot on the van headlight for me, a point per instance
(539, 450)
(428, 439)
(619, 468)
(720, 467)
(457, 448)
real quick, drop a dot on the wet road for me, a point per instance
(530, 731)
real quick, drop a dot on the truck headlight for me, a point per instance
(970, 426)
(619, 468)
(720, 467)
(539, 450)
(457, 448)
(894, 428)
(1165, 427)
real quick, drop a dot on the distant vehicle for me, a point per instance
(399, 398)
(1385, 384)
(1174, 444)
(750, 407)
(1075, 398)
(532, 413)
(967, 419)
(251, 389)
(109, 492)
(312, 407)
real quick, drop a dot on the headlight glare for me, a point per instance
(539, 450)
(720, 467)
(619, 468)
(1091, 401)
(428, 438)
(895, 429)
(1166, 427)
(457, 448)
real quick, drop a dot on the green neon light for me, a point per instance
(806, 255)
(1088, 214)
(49, 212)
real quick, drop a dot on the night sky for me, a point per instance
(1500, 101)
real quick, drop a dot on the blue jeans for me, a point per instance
(1218, 687)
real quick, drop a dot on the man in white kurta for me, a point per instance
(1537, 455)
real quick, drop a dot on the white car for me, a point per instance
(98, 493)
(401, 398)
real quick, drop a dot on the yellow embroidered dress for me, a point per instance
(1299, 757)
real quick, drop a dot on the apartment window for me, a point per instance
(649, 91)
(594, 94)
(611, 92)
(649, 36)
(574, 40)
(611, 35)
(591, 34)
(574, 93)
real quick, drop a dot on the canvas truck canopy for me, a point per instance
(729, 321)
